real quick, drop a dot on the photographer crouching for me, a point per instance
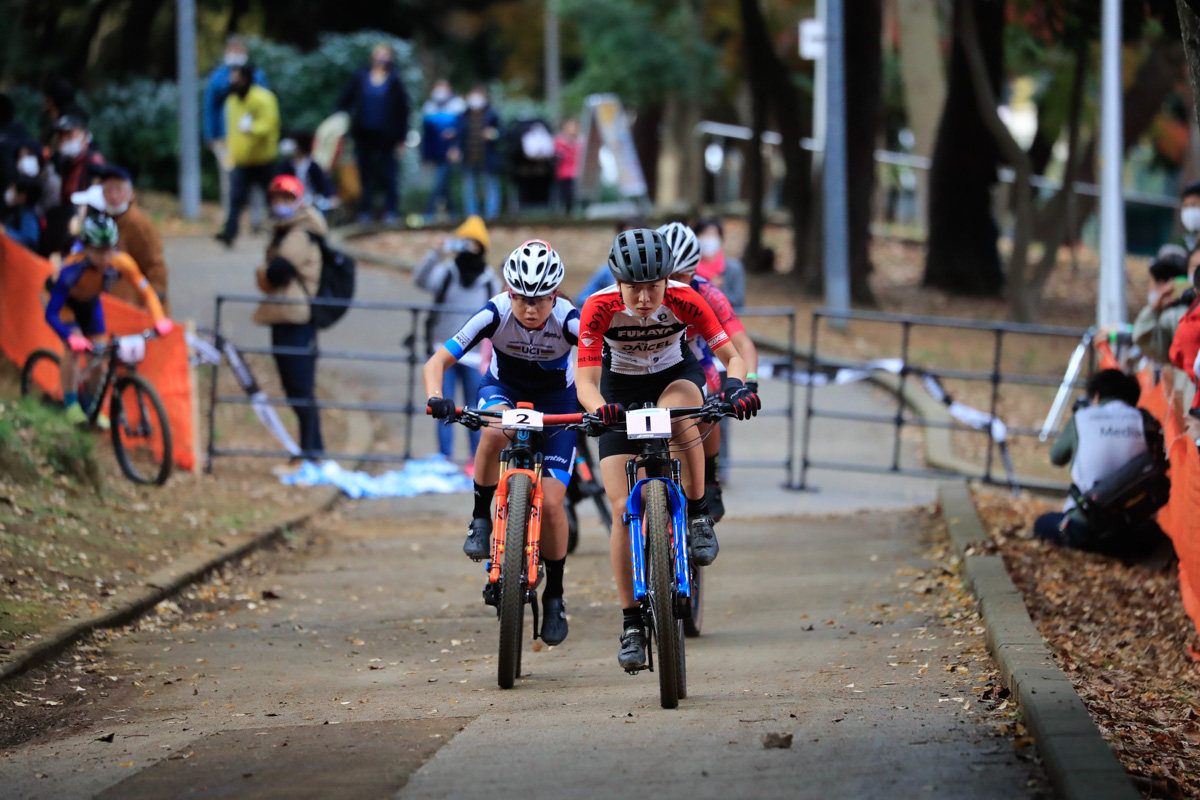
(1118, 474)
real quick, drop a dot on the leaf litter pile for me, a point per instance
(1120, 634)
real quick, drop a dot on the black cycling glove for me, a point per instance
(752, 386)
(745, 402)
(611, 414)
(440, 407)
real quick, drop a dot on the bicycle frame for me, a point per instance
(526, 449)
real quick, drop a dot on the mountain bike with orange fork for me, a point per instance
(513, 569)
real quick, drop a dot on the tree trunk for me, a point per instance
(768, 73)
(924, 83)
(1018, 159)
(755, 180)
(961, 256)
(237, 9)
(864, 87)
(647, 142)
(135, 36)
(76, 62)
(1189, 22)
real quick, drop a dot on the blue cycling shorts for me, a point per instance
(559, 452)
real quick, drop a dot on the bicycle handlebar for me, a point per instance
(711, 410)
(100, 348)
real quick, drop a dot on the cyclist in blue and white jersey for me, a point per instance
(532, 331)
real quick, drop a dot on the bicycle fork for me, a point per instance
(533, 538)
(637, 539)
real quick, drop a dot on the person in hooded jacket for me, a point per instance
(458, 277)
(252, 133)
(292, 270)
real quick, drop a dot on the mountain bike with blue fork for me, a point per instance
(665, 581)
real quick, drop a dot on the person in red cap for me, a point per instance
(292, 270)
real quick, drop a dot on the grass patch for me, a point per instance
(36, 441)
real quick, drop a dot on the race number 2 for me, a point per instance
(521, 419)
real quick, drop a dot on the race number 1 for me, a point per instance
(648, 423)
(521, 419)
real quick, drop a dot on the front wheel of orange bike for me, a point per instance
(513, 581)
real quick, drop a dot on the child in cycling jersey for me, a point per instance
(685, 253)
(532, 330)
(632, 351)
(74, 310)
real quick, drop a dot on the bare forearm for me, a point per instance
(435, 369)
(747, 350)
(587, 388)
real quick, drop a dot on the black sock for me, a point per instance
(710, 470)
(483, 501)
(554, 575)
(697, 508)
(631, 618)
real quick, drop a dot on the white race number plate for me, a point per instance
(131, 349)
(521, 419)
(648, 423)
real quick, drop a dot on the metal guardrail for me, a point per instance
(410, 349)
(899, 419)
(725, 130)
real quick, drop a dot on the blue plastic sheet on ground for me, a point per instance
(434, 475)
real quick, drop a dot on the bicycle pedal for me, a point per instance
(491, 595)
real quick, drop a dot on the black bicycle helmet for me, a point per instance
(641, 255)
(99, 230)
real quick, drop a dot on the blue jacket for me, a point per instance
(214, 100)
(437, 119)
(395, 129)
(24, 228)
(492, 157)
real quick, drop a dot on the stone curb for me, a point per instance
(1080, 763)
(132, 603)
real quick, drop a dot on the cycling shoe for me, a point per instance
(479, 540)
(702, 540)
(554, 620)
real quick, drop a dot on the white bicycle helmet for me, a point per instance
(534, 269)
(685, 247)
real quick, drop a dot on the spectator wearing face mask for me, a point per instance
(1167, 303)
(292, 269)
(1189, 214)
(21, 223)
(378, 106)
(458, 277)
(216, 90)
(31, 164)
(727, 274)
(295, 158)
(439, 130)
(77, 162)
(477, 149)
(252, 131)
(138, 237)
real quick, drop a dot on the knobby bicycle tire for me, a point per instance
(660, 585)
(691, 625)
(29, 387)
(512, 587)
(148, 399)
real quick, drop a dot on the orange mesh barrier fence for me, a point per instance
(23, 329)
(1178, 518)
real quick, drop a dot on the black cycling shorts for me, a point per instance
(637, 390)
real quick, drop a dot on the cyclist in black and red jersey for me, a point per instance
(632, 350)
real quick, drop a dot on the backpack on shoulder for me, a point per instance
(337, 283)
(1127, 497)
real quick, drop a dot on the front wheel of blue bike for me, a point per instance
(660, 575)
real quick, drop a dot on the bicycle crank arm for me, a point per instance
(531, 598)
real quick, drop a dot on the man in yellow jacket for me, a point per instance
(252, 133)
